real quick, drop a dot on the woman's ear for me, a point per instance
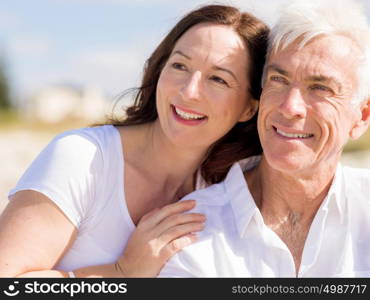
(362, 124)
(249, 111)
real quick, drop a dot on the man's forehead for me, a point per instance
(325, 57)
(325, 47)
(315, 71)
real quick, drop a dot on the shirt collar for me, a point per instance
(238, 194)
(244, 206)
(336, 194)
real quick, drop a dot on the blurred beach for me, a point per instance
(17, 150)
(19, 146)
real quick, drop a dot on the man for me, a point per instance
(301, 213)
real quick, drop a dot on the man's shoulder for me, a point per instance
(212, 201)
(220, 194)
(357, 180)
(358, 173)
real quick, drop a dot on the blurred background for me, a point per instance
(63, 63)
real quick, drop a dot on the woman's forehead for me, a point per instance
(216, 42)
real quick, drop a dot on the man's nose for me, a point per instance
(191, 89)
(293, 104)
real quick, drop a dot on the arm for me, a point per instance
(34, 234)
(159, 235)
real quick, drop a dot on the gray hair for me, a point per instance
(307, 19)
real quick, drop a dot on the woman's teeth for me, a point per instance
(188, 116)
(294, 135)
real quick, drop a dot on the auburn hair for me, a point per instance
(242, 140)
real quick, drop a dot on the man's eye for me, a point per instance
(278, 79)
(178, 66)
(218, 80)
(320, 87)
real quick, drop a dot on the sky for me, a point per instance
(100, 43)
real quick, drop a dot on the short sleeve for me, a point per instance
(66, 171)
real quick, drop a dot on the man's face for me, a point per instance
(306, 115)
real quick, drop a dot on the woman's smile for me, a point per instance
(187, 117)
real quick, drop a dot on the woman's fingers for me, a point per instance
(178, 231)
(178, 219)
(169, 223)
(149, 214)
(170, 209)
(177, 244)
(160, 234)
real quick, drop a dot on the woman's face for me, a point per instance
(202, 89)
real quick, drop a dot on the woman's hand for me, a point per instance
(158, 236)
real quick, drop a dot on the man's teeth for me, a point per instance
(188, 116)
(294, 135)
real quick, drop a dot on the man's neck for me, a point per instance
(281, 192)
(289, 202)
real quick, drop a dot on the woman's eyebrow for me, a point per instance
(215, 67)
(181, 53)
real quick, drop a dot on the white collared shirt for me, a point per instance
(237, 243)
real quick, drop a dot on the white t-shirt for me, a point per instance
(82, 171)
(237, 243)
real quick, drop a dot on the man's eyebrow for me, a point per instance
(325, 79)
(313, 78)
(276, 68)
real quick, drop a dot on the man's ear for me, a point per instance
(362, 124)
(249, 111)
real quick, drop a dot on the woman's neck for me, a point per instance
(152, 153)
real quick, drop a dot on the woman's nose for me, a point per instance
(191, 89)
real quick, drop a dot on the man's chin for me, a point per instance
(287, 162)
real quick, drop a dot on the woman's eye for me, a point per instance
(179, 66)
(219, 80)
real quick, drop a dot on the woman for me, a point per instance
(90, 190)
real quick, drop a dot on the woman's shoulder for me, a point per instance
(95, 134)
(68, 169)
(97, 138)
(81, 148)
